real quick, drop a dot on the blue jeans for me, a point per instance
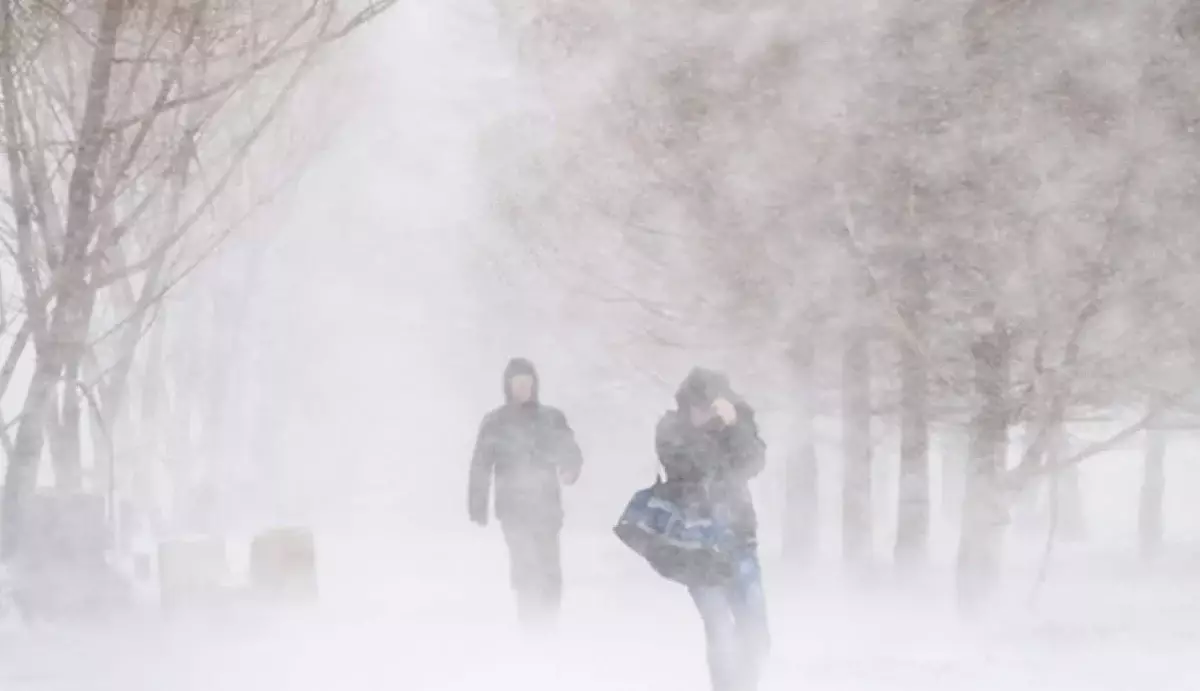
(735, 627)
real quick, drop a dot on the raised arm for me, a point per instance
(747, 453)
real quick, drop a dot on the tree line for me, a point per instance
(138, 137)
(977, 213)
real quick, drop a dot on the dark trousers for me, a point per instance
(535, 571)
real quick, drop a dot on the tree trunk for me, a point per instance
(115, 451)
(52, 416)
(1072, 519)
(215, 414)
(954, 452)
(1071, 507)
(984, 513)
(912, 524)
(857, 514)
(183, 466)
(67, 454)
(60, 344)
(152, 421)
(1150, 507)
(66, 451)
(20, 476)
(801, 507)
(107, 426)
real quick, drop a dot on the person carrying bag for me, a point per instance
(698, 526)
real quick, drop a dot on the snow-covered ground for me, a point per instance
(414, 609)
(434, 615)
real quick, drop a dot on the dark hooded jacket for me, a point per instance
(712, 465)
(526, 448)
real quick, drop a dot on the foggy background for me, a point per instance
(471, 183)
(391, 294)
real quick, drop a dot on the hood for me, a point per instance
(701, 387)
(518, 366)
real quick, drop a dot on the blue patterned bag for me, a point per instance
(683, 543)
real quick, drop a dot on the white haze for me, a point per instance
(373, 343)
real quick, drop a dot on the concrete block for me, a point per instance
(283, 564)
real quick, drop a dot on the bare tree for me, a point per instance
(1150, 503)
(857, 514)
(912, 524)
(1017, 213)
(802, 501)
(118, 194)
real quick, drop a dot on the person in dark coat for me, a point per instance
(710, 448)
(529, 451)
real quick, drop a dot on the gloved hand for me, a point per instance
(725, 410)
(479, 518)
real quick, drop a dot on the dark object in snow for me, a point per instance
(691, 526)
(685, 544)
(529, 450)
(699, 526)
(709, 459)
(283, 564)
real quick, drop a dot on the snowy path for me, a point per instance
(381, 628)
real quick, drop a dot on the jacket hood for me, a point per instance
(702, 387)
(518, 366)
